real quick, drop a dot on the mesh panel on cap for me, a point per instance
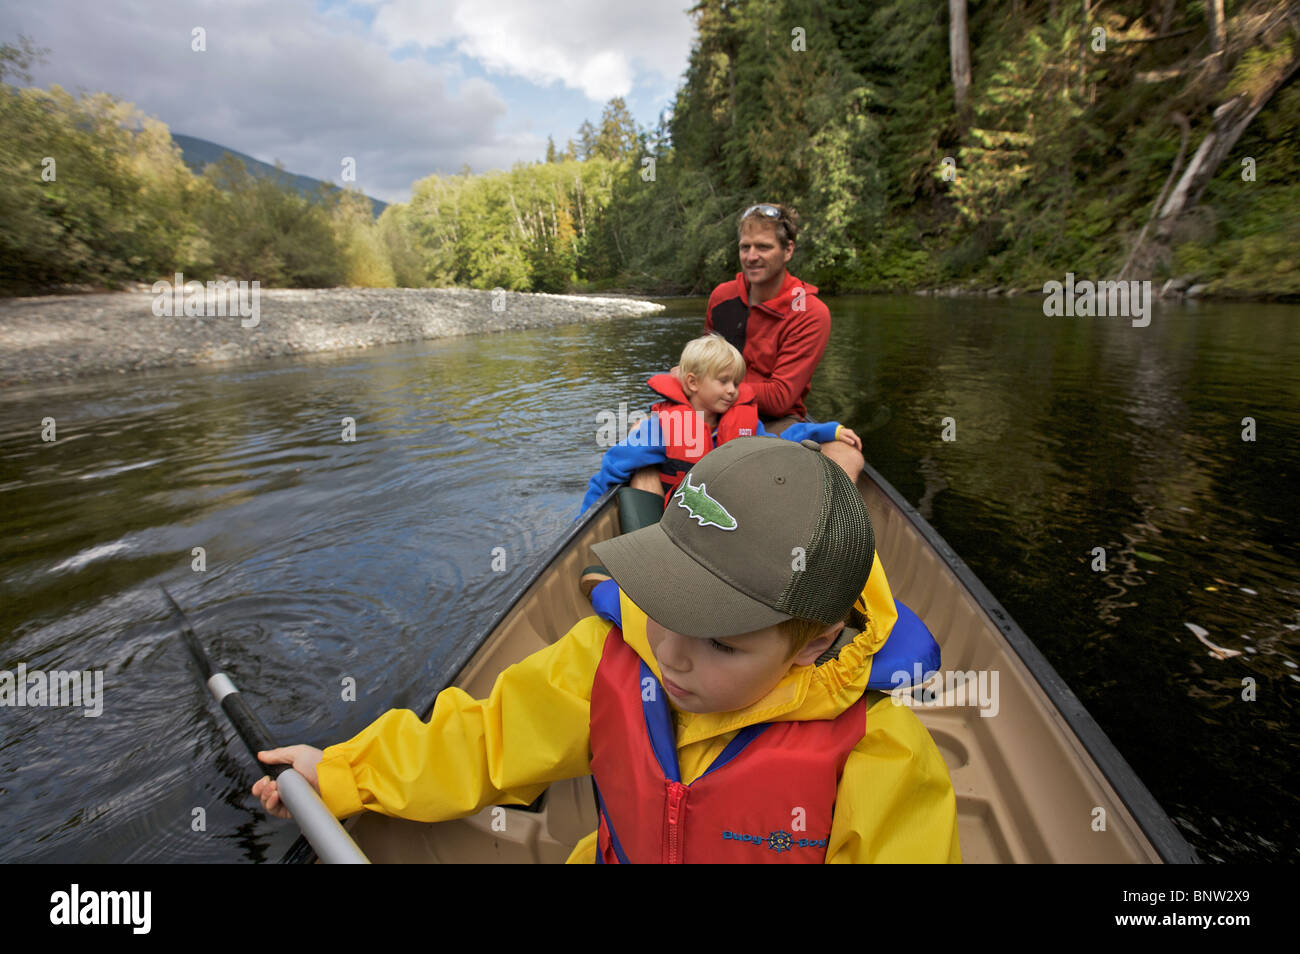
(838, 558)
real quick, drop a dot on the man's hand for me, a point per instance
(304, 760)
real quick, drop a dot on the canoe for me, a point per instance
(1036, 779)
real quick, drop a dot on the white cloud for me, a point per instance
(595, 46)
(277, 81)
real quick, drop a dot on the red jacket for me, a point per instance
(768, 797)
(686, 437)
(782, 339)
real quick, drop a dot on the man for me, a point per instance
(778, 323)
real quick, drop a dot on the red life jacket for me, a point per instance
(769, 797)
(687, 436)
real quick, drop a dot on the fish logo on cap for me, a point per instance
(702, 508)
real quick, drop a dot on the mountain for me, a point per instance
(199, 153)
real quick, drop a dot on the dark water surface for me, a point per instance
(373, 559)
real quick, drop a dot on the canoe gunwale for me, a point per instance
(1154, 821)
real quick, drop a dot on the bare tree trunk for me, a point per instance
(582, 218)
(1214, 18)
(959, 47)
(1181, 120)
(519, 219)
(1230, 121)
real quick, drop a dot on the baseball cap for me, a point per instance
(760, 530)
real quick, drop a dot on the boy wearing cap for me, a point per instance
(710, 732)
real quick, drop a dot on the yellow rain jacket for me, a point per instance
(895, 801)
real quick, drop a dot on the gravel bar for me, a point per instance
(69, 335)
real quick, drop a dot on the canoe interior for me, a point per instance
(1027, 788)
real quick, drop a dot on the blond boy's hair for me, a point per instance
(711, 356)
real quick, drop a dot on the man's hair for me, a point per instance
(786, 226)
(800, 632)
(710, 357)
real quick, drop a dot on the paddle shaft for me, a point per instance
(319, 826)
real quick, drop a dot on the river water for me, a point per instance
(327, 563)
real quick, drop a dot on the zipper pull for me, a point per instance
(675, 812)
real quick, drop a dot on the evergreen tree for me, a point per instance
(618, 138)
(587, 138)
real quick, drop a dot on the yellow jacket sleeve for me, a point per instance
(895, 802)
(532, 730)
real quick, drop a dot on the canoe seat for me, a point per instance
(638, 508)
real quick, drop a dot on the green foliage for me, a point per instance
(618, 133)
(400, 246)
(1018, 170)
(676, 233)
(1265, 263)
(1255, 246)
(763, 117)
(704, 110)
(586, 140)
(842, 110)
(97, 194)
(367, 263)
(1258, 67)
(259, 230)
(530, 229)
(16, 61)
(94, 191)
(902, 52)
(900, 260)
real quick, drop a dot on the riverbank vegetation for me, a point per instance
(96, 195)
(970, 144)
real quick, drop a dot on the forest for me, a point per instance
(959, 144)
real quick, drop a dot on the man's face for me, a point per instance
(762, 258)
(722, 675)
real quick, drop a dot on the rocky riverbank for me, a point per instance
(70, 335)
(1173, 289)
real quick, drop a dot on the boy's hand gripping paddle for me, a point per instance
(332, 843)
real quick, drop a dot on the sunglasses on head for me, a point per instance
(771, 211)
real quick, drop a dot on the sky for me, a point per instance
(407, 88)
